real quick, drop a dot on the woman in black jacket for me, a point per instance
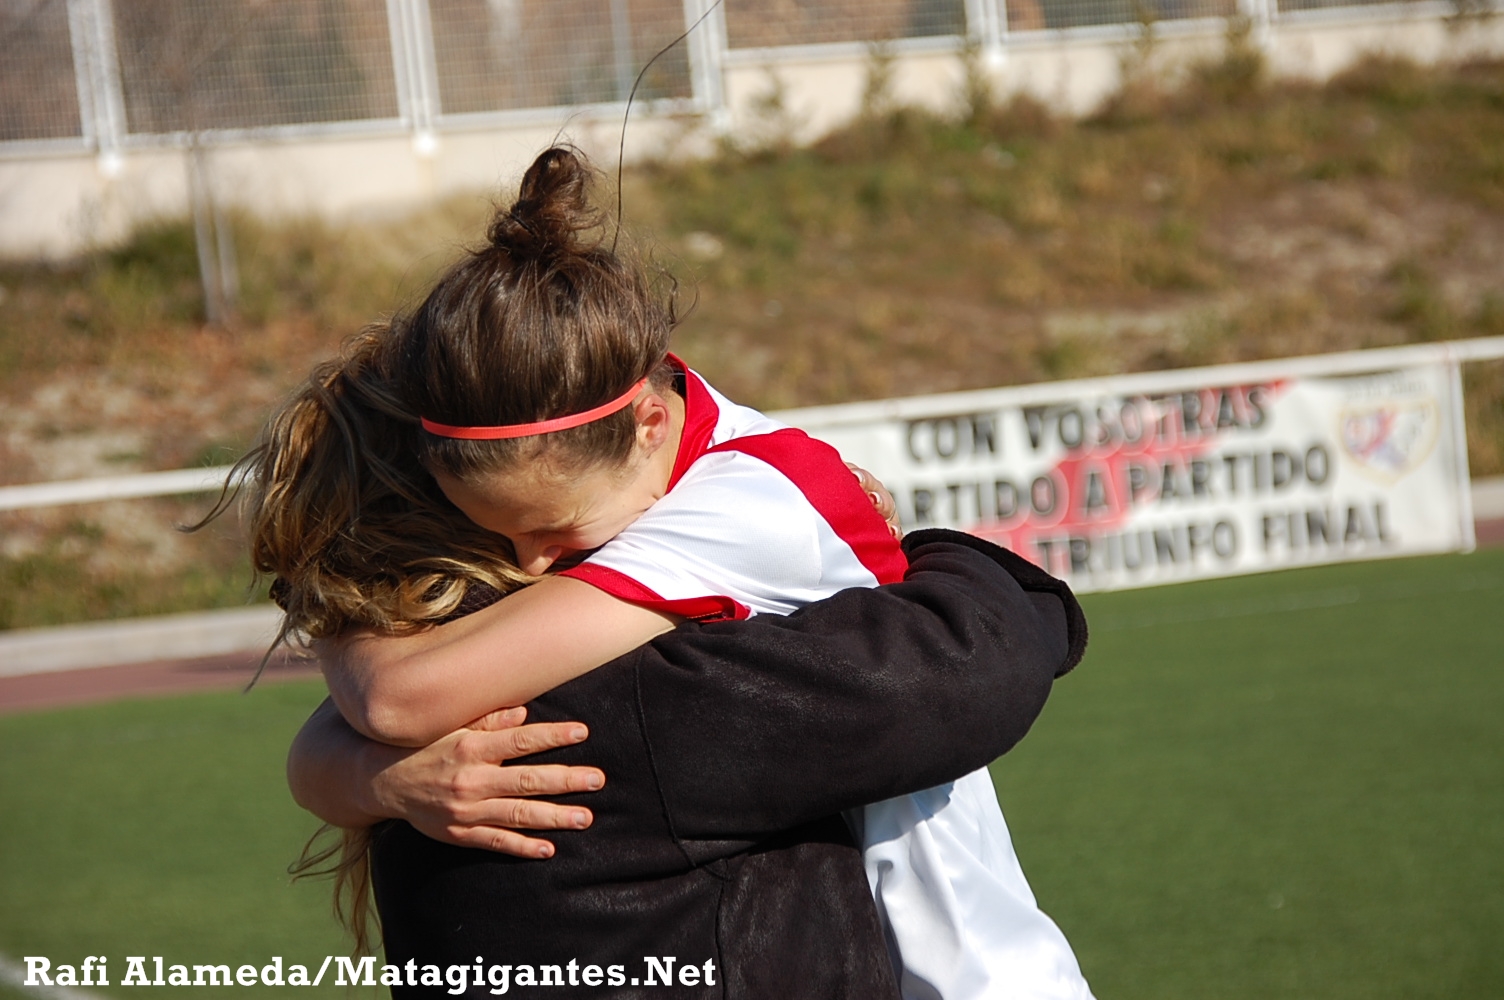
(718, 864)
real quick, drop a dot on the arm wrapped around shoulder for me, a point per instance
(761, 725)
(1035, 582)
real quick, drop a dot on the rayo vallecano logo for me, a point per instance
(1388, 439)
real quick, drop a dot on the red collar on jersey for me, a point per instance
(700, 417)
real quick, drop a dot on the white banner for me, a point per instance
(1114, 483)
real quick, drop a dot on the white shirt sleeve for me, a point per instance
(734, 537)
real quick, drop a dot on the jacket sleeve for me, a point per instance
(758, 726)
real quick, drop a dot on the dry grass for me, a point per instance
(1238, 220)
(117, 559)
(1216, 217)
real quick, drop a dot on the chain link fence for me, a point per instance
(756, 24)
(503, 55)
(237, 64)
(107, 73)
(1026, 15)
(1295, 5)
(38, 94)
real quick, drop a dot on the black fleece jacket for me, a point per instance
(730, 750)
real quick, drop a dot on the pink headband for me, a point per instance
(537, 426)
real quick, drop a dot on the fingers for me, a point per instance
(542, 779)
(490, 838)
(483, 805)
(525, 814)
(497, 746)
(875, 490)
(881, 498)
(868, 482)
(502, 718)
(492, 825)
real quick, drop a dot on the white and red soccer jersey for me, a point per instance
(758, 517)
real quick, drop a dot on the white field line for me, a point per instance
(13, 974)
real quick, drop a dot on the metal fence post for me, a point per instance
(707, 51)
(621, 48)
(1261, 16)
(211, 239)
(987, 25)
(414, 68)
(96, 70)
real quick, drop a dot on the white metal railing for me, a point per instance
(186, 481)
(1174, 380)
(144, 484)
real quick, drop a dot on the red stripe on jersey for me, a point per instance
(713, 608)
(700, 417)
(820, 474)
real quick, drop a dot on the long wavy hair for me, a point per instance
(355, 534)
(337, 493)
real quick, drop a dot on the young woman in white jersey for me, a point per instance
(551, 414)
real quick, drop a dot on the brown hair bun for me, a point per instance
(547, 320)
(552, 212)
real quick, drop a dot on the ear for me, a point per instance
(654, 422)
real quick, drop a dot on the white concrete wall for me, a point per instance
(56, 204)
(1074, 72)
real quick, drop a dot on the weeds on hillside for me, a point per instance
(140, 303)
(117, 559)
(1009, 212)
(1219, 215)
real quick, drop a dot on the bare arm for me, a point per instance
(411, 690)
(453, 791)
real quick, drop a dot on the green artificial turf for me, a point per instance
(159, 828)
(1288, 785)
(1274, 786)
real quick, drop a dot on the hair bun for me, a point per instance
(552, 211)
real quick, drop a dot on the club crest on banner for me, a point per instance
(1387, 440)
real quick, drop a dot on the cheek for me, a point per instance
(585, 539)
